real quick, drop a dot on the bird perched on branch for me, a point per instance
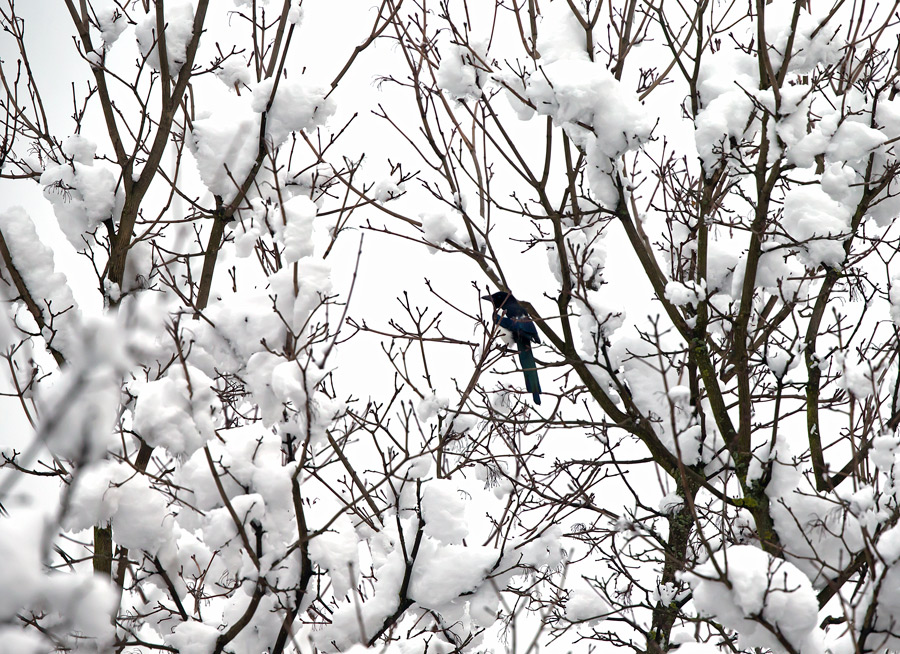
(510, 316)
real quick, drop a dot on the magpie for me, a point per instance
(513, 319)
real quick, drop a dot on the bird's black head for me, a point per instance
(499, 298)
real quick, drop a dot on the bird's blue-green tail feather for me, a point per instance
(529, 368)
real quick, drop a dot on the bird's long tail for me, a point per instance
(529, 368)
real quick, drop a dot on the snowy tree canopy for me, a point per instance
(253, 399)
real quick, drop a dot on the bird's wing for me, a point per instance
(520, 325)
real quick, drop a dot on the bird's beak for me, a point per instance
(485, 297)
